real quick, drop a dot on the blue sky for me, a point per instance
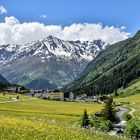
(66, 12)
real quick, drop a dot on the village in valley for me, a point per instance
(61, 96)
(54, 95)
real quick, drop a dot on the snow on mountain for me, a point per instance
(51, 60)
(52, 46)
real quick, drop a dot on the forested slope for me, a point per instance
(113, 68)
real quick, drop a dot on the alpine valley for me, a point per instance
(118, 66)
(47, 64)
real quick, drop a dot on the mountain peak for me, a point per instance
(56, 60)
(86, 50)
(50, 37)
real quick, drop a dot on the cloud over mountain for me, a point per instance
(2, 10)
(14, 32)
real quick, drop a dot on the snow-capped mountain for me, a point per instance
(52, 46)
(47, 63)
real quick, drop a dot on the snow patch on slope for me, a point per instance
(52, 47)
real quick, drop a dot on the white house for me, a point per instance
(95, 99)
(71, 96)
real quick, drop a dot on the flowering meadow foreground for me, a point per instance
(17, 129)
(36, 119)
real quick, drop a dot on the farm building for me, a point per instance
(13, 89)
(56, 95)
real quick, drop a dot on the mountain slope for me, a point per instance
(3, 80)
(47, 63)
(132, 89)
(113, 68)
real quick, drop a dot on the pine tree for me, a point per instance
(116, 92)
(108, 111)
(85, 120)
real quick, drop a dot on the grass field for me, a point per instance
(49, 109)
(4, 99)
(38, 119)
(14, 96)
(132, 89)
(130, 96)
(131, 102)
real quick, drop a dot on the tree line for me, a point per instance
(117, 77)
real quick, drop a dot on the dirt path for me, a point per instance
(10, 101)
(132, 111)
(16, 100)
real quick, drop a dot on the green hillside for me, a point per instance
(132, 89)
(113, 68)
(130, 97)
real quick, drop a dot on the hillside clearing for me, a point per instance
(131, 102)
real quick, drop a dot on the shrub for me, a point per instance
(17, 97)
(100, 123)
(127, 116)
(132, 128)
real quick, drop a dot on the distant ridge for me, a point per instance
(48, 63)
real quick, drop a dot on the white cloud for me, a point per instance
(92, 31)
(44, 16)
(11, 21)
(14, 32)
(2, 10)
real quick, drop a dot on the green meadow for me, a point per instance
(4, 99)
(132, 103)
(48, 109)
(39, 119)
